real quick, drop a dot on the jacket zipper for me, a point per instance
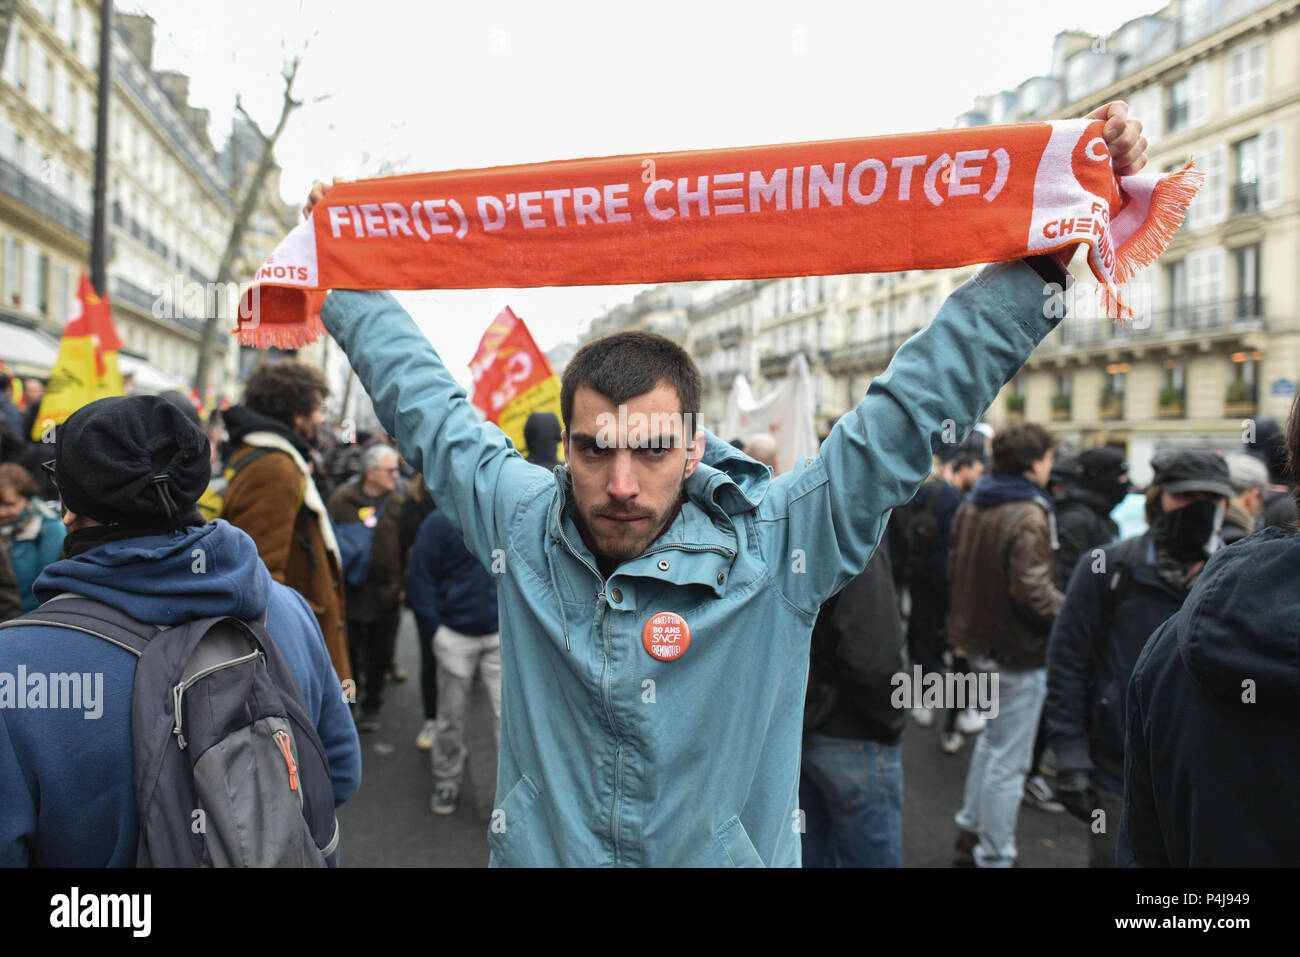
(178, 692)
(286, 748)
(599, 623)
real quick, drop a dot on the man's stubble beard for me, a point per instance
(627, 553)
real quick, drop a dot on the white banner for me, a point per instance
(786, 413)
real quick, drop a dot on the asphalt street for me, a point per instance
(388, 823)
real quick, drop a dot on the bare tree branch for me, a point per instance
(252, 191)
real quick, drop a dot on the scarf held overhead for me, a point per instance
(919, 201)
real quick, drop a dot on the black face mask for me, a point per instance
(1114, 491)
(1185, 533)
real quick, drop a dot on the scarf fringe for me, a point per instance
(282, 335)
(1169, 202)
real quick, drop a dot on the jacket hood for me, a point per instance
(999, 488)
(200, 572)
(728, 478)
(240, 420)
(542, 435)
(1228, 633)
(1080, 495)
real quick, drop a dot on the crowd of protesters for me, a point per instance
(1145, 684)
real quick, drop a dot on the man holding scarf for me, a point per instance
(658, 592)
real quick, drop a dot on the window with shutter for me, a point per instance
(1213, 198)
(1198, 84)
(1246, 76)
(1270, 179)
(1145, 105)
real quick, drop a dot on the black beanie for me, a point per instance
(134, 459)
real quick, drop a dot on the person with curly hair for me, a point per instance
(271, 496)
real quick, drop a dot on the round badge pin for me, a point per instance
(666, 636)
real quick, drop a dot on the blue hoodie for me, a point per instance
(999, 488)
(66, 792)
(447, 585)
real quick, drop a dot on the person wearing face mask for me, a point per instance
(1212, 737)
(1098, 483)
(1116, 597)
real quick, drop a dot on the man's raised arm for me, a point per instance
(473, 471)
(934, 391)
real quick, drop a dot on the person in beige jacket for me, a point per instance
(272, 496)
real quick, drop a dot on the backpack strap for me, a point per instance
(79, 613)
(235, 468)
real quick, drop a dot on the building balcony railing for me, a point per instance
(731, 333)
(1242, 314)
(1245, 198)
(124, 289)
(776, 361)
(875, 349)
(34, 194)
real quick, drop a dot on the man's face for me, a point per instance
(384, 478)
(11, 505)
(628, 470)
(1041, 470)
(308, 426)
(964, 479)
(33, 390)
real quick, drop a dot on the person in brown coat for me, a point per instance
(374, 608)
(1002, 565)
(271, 495)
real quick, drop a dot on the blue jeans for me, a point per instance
(999, 766)
(851, 793)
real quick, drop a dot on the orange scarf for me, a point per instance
(918, 201)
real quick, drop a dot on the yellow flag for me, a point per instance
(86, 366)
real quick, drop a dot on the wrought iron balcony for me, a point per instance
(34, 194)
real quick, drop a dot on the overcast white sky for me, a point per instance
(435, 85)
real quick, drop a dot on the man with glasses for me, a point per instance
(375, 607)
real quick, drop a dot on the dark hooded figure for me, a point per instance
(1212, 746)
(1083, 522)
(1270, 448)
(541, 436)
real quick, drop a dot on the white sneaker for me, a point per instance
(969, 722)
(951, 742)
(923, 716)
(424, 740)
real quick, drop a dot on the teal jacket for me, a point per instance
(37, 542)
(610, 756)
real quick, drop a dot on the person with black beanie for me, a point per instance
(129, 471)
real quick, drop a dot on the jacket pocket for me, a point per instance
(735, 843)
(508, 834)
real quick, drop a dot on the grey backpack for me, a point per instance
(228, 768)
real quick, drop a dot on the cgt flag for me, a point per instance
(86, 366)
(512, 377)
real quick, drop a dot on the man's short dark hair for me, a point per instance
(627, 364)
(285, 389)
(965, 460)
(1017, 447)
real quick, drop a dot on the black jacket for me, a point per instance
(1212, 768)
(1082, 523)
(857, 648)
(1090, 656)
(1279, 509)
